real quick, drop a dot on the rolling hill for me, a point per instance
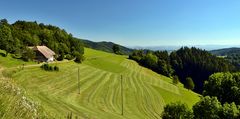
(145, 92)
(105, 46)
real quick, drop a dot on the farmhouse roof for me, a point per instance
(48, 53)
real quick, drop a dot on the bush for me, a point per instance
(176, 111)
(56, 68)
(69, 57)
(189, 83)
(47, 67)
(50, 68)
(28, 54)
(60, 57)
(175, 80)
(207, 107)
(79, 58)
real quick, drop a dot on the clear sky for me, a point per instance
(136, 22)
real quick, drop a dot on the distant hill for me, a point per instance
(231, 54)
(226, 51)
(105, 46)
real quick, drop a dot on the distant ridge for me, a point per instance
(226, 51)
(105, 46)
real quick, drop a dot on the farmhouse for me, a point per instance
(43, 53)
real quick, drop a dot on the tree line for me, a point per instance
(221, 101)
(15, 38)
(207, 108)
(192, 66)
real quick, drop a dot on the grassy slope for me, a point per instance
(13, 102)
(11, 62)
(145, 92)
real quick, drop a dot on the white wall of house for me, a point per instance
(51, 59)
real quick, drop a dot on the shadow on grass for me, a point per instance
(3, 54)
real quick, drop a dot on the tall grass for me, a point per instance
(14, 104)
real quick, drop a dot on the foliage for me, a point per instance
(22, 34)
(79, 58)
(56, 68)
(185, 62)
(229, 111)
(230, 54)
(47, 67)
(6, 39)
(158, 61)
(116, 49)
(176, 111)
(69, 57)
(175, 80)
(225, 86)
(189, 83)
(206, 108)
(197, 64)
(28, 54)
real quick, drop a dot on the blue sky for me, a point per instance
(136, 22)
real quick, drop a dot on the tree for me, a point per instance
(6, 39)
(189, 83)
(176, 111)
(175, 80)
(197, 64)
(225, 86)
(28, 54)
(229, 111)
(207, 108)
(164, 68)
(20, 34)
(150, 61)
(79, 57)
(116, 49)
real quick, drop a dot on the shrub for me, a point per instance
(47, 67)
(69, 57)
(207, 107)
(28, 54)
(175, 80)
(79, 58)
(60, 58)
(177, 111)
(50, 68)
(56, 68)
(189, 83)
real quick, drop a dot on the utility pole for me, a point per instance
(23, 67)
(122, 93)
(78, 82)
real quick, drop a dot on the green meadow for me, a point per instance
(145, 92)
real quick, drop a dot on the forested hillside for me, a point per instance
(188, 64)
(230, 54)
(226, 51)
(15, 38)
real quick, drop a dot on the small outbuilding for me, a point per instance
(43, 53)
